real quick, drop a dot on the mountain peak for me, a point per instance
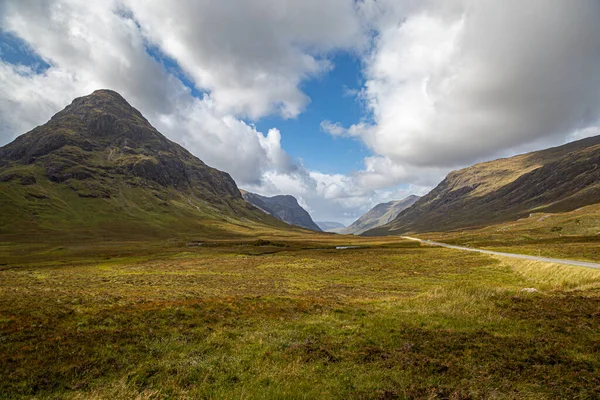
(101, 154)
(283, 207)
(106, 92)
(102, 102)
(102, 132)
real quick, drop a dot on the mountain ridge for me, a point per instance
(284, 208)
(330, 226)
(379, 215)
(556, 179)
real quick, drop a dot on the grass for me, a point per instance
(291, 317)
(47, 212)
(550, 276)
(571, 235)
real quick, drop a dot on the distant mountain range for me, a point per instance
(283, 207)
(379, 215)
(554, 180)
(330, 226)
(99, 169)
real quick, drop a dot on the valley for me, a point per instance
(299, 200)
(274, 317)
(131, 269)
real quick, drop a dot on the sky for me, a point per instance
(343, 104)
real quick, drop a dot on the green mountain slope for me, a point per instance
(99, 169)
(558, 179)
(379, 215)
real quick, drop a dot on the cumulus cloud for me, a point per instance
(447, 82)
(99, 45)
(336, 129)
(453, 83)
(340, 197)
(251, 55)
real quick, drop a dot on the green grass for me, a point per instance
(51, 212)
(279, 318)
(571, 235)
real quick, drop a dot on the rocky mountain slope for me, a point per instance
(330, 226)
(283, 207)
(379, 215)
(558, 179)
(99, 168)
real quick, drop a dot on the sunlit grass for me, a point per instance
(572, 235)
(551, 276)
(293, 318)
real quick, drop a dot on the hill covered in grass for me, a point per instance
(572, 235)
(98, 168)
(554, 180)
(379, 215)
(284, 208)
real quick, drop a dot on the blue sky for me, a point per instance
(14, 50)
(333, 97)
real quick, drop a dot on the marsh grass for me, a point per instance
(280, 319)
(550, 276)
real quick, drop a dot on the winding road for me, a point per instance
(512, 255)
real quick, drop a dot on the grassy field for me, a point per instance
(572, 235)
(292, 317)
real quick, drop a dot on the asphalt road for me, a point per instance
(498, 253)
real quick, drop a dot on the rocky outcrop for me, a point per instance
(283, 207)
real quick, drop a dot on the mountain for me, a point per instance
(330, 226)
(98, 168)
(554, 180)
(379, 215)
(283, 207)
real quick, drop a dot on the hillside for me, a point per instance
(379, 215)
(99, 169)
(558, 179)
(330, 226)
(573, 235)
(283, 207)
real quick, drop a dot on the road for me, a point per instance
(498, 253)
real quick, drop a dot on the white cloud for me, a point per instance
(334, 129)
(339, 197)
(96, 45)
(447, 82)
(251, 55)
(584, 133)
(450, 83)
(453, 83)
